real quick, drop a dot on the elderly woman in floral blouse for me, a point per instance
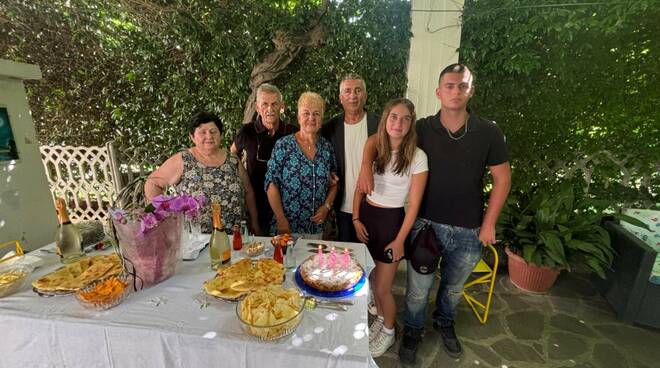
(208, 169)
(299, 181)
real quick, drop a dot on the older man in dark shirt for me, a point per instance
(256, 139)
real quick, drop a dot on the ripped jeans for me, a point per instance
(462, 251)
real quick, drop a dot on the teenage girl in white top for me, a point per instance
(400, 171)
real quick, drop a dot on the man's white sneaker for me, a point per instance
(380, 344)
(375, 329)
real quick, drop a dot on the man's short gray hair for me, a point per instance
(271, 89)
(352, 76)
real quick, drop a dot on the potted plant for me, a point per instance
(550, 229)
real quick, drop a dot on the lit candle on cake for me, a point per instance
(320, 256)
(347, 259)
(332, 261)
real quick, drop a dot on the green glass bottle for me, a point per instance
(219, 243)
(67, 238)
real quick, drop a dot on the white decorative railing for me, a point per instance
(86, 177)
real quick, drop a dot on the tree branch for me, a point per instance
(287, 48)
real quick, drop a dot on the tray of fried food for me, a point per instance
(104, 294)
(12, 278)
(282, 240)
(271, 312)
(74, 276)
(236, 281)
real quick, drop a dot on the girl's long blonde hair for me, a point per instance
(408, 145)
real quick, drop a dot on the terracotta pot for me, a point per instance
(529, 277)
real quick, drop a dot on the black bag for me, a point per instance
(425, 251)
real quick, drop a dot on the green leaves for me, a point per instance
(553, 226)
(136, 71)
(554, 246)
(574, 88)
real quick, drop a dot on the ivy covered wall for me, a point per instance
(136, 70)
(575, 89)
(572, 84)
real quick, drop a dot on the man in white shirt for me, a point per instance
(348, 133)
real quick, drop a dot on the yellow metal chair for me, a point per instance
(19, 249)
(482, 274)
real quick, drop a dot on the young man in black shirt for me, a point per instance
(460, 147)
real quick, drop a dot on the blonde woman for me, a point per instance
(380, 221)
(299, 177)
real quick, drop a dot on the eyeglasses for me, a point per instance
(261, 157)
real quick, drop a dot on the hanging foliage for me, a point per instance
(136, 70)
(575, 89)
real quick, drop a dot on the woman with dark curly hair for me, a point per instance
(208, 169)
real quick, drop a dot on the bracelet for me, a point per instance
(329, 207)
(356, 219)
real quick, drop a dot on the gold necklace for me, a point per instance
(304, 142)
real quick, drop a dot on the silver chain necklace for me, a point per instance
(462, 135)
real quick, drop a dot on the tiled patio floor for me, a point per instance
(572, 326)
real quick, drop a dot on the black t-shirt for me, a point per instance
(253, 140)
(454, 191)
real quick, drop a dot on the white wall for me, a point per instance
(436, 36)
(27, 212)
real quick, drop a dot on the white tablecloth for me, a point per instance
(173, 324)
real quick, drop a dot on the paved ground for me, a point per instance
(572, 326)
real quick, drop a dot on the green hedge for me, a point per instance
(135, 71)
(574, 86)
(575, 89)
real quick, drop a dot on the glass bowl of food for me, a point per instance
(104, 294)
(12, 278)
(255, 249)
(271, 312)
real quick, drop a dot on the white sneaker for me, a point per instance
(375, 329)
(380, 344)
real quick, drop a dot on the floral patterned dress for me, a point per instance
(220, 184)
(303, 183)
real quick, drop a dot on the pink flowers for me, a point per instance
(149, 221)
(161, 207)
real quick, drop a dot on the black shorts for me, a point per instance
(383, 225)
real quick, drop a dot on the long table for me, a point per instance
(174, 324)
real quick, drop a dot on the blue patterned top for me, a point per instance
(303, 183)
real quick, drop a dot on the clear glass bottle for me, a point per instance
(219, 243)
(245, 233)
(67, 237)
(289, 256)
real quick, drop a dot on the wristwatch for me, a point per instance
(329, 207)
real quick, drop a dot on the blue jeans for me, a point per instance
(462, 250)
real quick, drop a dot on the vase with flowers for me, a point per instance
(149, 236)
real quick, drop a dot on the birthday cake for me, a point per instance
(324, 274)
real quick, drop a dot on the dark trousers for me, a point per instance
(345, 229)
(264, 212)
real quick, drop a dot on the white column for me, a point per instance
(27, 212)
(436, 38)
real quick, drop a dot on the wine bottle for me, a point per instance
(67, 238)
(219, 243)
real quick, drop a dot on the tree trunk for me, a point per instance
(287, 47)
